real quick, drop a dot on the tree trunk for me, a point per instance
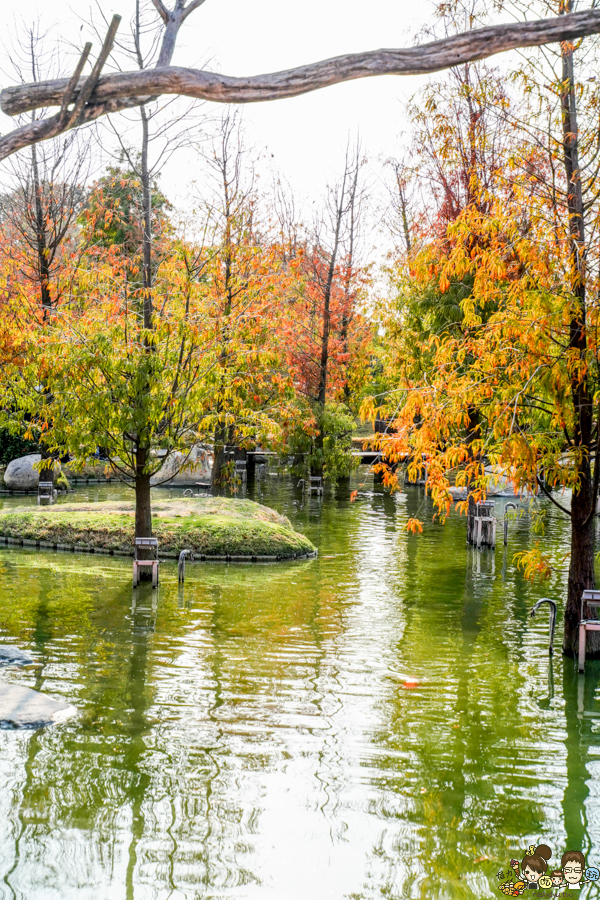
(581, 571)
(222, 436)
(41, 242)
(147, 214)
(581, 567)
(143, 506)
(343, 486)
(316, 470)
(250, 467)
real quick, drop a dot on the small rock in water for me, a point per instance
(20, 707)
(12, 656)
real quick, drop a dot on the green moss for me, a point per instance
(61, 482)
(215, 526)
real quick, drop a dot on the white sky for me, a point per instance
(306, 135)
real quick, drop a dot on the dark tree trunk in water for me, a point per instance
(581, 570)
(250, 467)
(343, 486)
(143, 508)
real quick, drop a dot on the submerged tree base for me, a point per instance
(211, 527)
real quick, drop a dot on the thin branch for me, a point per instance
(541, 484)
(91, 82)
(73, 81)
(190, 8)
(161, 10)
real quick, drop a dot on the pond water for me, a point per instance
(381, 722)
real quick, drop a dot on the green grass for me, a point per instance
(215, 526)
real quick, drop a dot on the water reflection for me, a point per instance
(382, 721)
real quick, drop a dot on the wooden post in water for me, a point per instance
(481, 525)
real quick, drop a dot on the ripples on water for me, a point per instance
(381, 722)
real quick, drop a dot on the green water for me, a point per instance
(251, 735)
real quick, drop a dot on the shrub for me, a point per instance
(12, 446)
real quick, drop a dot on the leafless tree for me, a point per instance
(45, 194)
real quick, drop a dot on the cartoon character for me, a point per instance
(573, 865)
(531, 873)
(512, 889)
(557, 878)
(534, 865)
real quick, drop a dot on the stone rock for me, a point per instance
(20, 707)
(21, 475)
(12, 656)
(200, 469)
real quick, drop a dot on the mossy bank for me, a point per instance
(212, 526)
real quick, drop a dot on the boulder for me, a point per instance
(20, 707)
(12, 656)
(21, 474)
(198, 468)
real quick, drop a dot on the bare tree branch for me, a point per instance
(161, 10)
(121, 90)
(191, 7)
(73, 82)
(90, 83)
(173, 20)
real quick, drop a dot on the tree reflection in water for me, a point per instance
(378, 722)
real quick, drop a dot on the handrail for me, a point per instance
(552, 606)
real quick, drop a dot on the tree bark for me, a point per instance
(581, 569)
(581, 566)
(143, 507)
(40, 234)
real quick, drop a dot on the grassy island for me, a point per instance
(211, 527)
